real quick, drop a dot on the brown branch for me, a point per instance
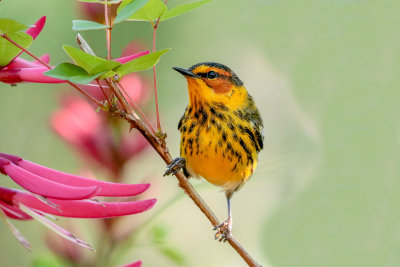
(136, 107)
(185, 185)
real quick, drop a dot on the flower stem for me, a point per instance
(155, 73)
(155, 83)
(107, 19)
(49, 67)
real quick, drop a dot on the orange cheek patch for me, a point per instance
(220, 86)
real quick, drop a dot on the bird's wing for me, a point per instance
(258, 129)
(256, 123)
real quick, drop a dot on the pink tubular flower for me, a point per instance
(61, 194)
(55, 184)
(90, 133)
(133, 264)
(69, 208)
(95, 11)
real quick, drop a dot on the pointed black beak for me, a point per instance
(185, 72)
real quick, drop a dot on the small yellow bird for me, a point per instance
(221, 132)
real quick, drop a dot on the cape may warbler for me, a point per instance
(221, 131)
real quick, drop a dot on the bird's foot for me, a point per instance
(175, 166)
(223, 230)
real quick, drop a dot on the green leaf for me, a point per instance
(84, 25)
(101, 2)
(8, 51)
(9, 26)
(159, 234)
(91, 64)
(49, 260)
(182, 9)
(149, 12)
(72, 73)
(128, 10)
(173, 254)
(141, 63)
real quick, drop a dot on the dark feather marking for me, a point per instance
(219, 127)
(197, 144)
(230, 148)
(224, 136)
(259, 140)
(180, 123)
(212, 110)
(252, 137)
(235, 137)
(221, 106)
(204, 117)
(241, 142)
(221, 116)
(192, 127)
(190, 143)
(234, 167)
(240, 114)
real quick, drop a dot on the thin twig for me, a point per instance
(49, 67)
(104, 93)
(115, 87)
(155, 27)
(107, 19)
(155, 84)
(136, 107)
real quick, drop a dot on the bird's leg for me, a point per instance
(224, 229)
(175, 166)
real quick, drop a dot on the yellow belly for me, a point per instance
(208, 157)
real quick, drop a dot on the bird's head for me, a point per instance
(213, 82)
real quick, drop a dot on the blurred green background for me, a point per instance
(324, 74)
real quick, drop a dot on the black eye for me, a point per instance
(212, 75)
